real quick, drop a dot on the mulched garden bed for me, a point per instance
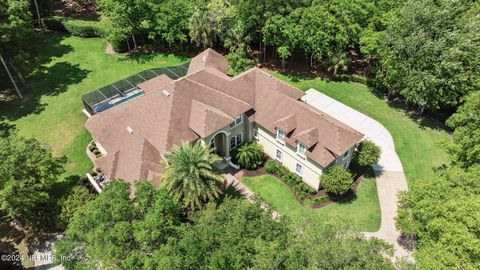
(358, 171)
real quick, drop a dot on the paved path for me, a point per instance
(389, 170)
(43, 255)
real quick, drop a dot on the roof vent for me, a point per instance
(130, 130)
(204, 58)
(166, 93)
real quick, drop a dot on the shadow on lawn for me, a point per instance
(44, 80)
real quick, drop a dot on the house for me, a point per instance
(222, 112)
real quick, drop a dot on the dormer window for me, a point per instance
(301, 149)
(236, 122)
(280, 135)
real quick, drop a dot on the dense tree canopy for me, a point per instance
(442, 213)
(466, 125)
(431, 54)
(27, 174)
(118, 232)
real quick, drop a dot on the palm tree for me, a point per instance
(189, 177)
(202, 28)
(250, 155)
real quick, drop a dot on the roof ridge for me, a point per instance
(217, 91)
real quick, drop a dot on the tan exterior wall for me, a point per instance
(310, 170)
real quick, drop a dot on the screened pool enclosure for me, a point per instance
(125, 89)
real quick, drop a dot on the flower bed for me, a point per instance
(94, 149)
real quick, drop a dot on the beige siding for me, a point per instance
(310, 170)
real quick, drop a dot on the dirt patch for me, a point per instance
(109, 50)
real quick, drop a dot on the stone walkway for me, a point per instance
(390, 177)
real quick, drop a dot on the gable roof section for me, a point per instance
(208, 58)
(156, 83)
(308, 137)
(205, 119)
(287, 123)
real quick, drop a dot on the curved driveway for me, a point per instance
(389, 170)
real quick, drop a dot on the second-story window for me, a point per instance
(280, 135)
(301, 149)
(236, 122)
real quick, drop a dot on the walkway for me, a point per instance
(389, 170)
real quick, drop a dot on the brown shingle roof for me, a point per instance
(205, 119)
(287, 123)
(156, 83)
(201, 103)
(208, 58)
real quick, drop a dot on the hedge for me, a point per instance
(75, 27)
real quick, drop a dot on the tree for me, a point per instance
(75, 200)
(189, 176)
(429, 54)
(250, 155)
(28, 172)
(336, 180)
(238, 62)
(466, 134)
(201, 27)
(125, 18)
(16, 36)
(340, 249)
(442, 213)
(116, 231)
(246, 230)
(368, 153)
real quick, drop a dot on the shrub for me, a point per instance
(91, 147)
(249, 155)
(271, 166)
(321, 199)
(96, 151)
(368, 153)
(336, 180)
(75, 27)
(119, 45)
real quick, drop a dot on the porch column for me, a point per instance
(227, 145)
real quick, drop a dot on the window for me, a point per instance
(298, 169)
(278, 156)
(233, 143)
(346, 154)
(280, 135)
(255, 132)
(239, 138)
(236, 141)
(301, 148)
(236, 122)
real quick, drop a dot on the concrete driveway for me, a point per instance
(389, 170)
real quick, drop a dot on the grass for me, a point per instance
(68, 68)
(362, 212)
(417, 140)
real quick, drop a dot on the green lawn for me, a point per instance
(417, 141)
(361, 212)
(69, 67)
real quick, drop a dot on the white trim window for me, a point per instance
(278, 155)
(280, 135)
(301, 149)
(298, 169)
(236, 122)
(235, 141)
